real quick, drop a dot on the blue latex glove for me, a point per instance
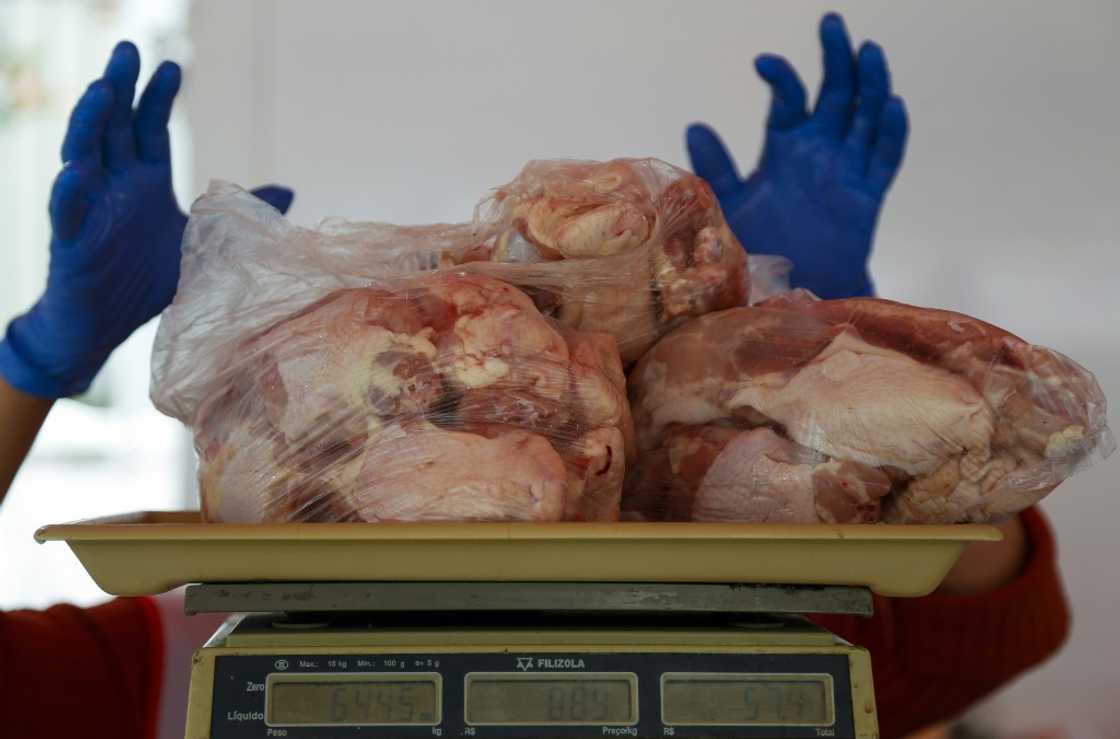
(816, 194)
(116, 233)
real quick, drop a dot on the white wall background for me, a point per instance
(1006, 207)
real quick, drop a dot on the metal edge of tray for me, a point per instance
(148, 553)
(523, 597)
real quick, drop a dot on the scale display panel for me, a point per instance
(518, 694)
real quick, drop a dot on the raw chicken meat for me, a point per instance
(445, 397)
(723, 473)
(801, 410)
(632, 247)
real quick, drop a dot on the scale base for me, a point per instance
(233, 678)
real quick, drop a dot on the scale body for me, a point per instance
(592, 670)
(522, 630)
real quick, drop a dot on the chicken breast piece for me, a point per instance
(718, 473)
(875, 406)
(423, 473)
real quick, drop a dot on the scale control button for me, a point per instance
(281, 664)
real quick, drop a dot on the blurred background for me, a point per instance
(1006, 207)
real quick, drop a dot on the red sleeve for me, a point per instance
(934, 657)
(78, 673)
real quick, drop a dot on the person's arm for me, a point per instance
(82, 673)
(819, 185)
(987, 566)
(115, 248)
(23, 414)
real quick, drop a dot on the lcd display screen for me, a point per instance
(540, 700)
(728, 699)
(355, 702)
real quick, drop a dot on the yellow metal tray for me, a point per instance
(148, 553)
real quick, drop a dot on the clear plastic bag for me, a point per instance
(769, 276)
(322, 384)
(801, 411)
(630, 247)
(633, 247)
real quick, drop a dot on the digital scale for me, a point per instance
(522, 630)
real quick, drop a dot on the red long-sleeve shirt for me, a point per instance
(96, 672)
(933, 657)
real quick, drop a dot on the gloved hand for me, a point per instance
(816, 194)
(116, 233)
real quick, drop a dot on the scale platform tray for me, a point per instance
(152, 552)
